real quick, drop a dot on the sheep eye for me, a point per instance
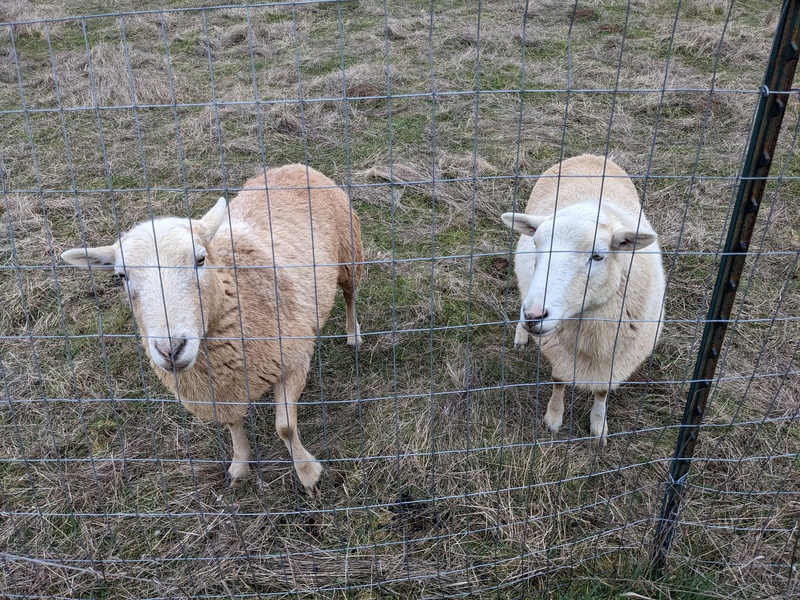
(597, 256)
(122, 276)
(201, 260)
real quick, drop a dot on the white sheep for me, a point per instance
(595, 303)
(219, 337)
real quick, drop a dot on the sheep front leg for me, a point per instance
(240, 465)
(287, 393)
(521, 336)
(597, 418)
(554, 416)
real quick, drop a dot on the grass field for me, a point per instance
(440, 478)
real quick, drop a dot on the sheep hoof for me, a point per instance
(236, 472)
(315, 491)
(309, 473)
(600, 433)
(553, 420)
(354, 339)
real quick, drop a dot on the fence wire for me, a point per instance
(439, 476)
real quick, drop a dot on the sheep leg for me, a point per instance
(554, 416)
(521, 336)
(287, 393)
(240, 465)
(353, 330)
(597, 418)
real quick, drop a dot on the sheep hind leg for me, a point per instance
(352, 328)
(240, 465)
(597, 418)
(287, 394)
(554, 416)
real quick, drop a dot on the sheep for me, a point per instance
(593, 298)
(219, 336)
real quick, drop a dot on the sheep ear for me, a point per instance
(213, 219)
(522, 223)
(102, 257)
(625, 239)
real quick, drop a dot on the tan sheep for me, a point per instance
(251, 328)
(595, 303)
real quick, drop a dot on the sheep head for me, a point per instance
(580, 257)
(165, 266)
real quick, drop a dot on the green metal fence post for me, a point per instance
(766, 127)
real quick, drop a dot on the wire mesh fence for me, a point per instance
(439, 476)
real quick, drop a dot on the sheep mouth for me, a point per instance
(179, 367)
(542, 331)
(538, 330)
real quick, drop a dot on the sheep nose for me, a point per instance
(535, 316)
(170, 349)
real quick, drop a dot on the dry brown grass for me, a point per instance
(440, 479)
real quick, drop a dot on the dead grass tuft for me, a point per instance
(27, 10)
(113, 71)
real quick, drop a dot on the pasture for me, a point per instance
(439, 476)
